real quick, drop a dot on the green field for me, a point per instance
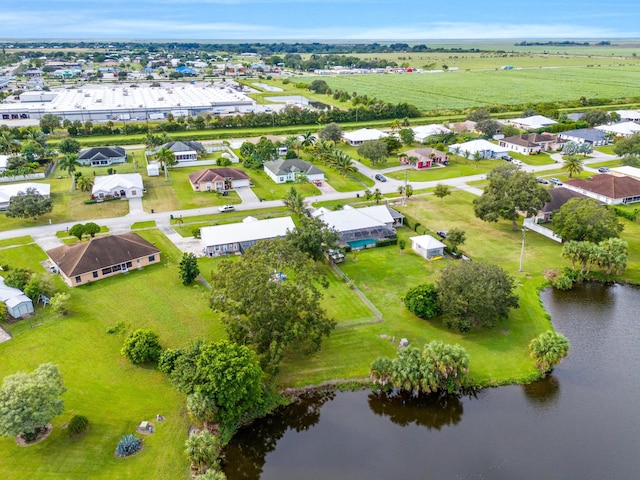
(464, 89)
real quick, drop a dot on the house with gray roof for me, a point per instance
(102, 156)
(282, 171)
(184, 151)
(585, 135)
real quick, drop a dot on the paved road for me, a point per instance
(45, 235)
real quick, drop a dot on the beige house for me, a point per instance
(102, 257)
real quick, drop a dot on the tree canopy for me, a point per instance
(422, 300)
(510, 191)
(374, 150)
(273, 315)
(548, 349)
(332, 132)
(28, 401)
(29, 204)
(189, 269)
(313, 237)
(142, 346)
(474, 293)
(586, 219)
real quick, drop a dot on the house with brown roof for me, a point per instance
(531, 143)
(424, 157)
(218, 179)
(102, 257)
(559, 196)
(609, 189)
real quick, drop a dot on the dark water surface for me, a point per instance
(581, 423)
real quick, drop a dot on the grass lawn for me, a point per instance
(533, 160)
(16, 241)
(139, 225)
(347, 183)
(267, 189)
(458, 167)
(67, 207)
(102, 385)
(497, 356)
(607, 163)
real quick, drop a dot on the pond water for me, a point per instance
(583, 422)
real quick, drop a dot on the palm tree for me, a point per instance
(343, 163)
(166, 158)
(294, 202)
(395, 125)
(377, 196)
(202, 450)
(70, 163)
(8, 143)
(323, 150)
(293, 142)
(477, 156)
(573, 165)
(308, 139)
(85, 183)
(405, 122)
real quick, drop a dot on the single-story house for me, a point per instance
(626, 171)
(360, 227)
(484, 147)
(585, 135)
(462, 127)
(533, 122)
(559, 196)
(425, 157)
(9, 191)
(18, 304)
(184, 151)
(427, 247)
(102, 257)
(609, 189)
(358, 137)
(530, 143)
(238, 237)
(282, 171)
(628, 115)
(127, 185)
(624, 129)
(423, 132)
(102, 156)
(220, 179)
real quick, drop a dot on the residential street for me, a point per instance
(45, 235)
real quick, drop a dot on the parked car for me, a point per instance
(517, 162)
(556, 182)
(380, 177)
(442, 233)
(507, 158)
(543, 181)
(603, 170)
(226, 208)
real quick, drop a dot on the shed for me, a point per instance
(427, 247)
(18, 304)
(153, 170)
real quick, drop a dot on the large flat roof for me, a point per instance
(246, 231)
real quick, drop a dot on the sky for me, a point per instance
(354, 20)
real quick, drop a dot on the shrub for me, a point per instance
(402, 243)
(78, 424)
(60, 303)
(196, 232)
(422, 301)
(387, 242)
(118, 327)
(562, 282)
(128, 445)
(620, 212)
(142, 346)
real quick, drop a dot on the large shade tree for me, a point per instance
(474, 293)
(272, 315)
(29, 401)
(586, 219)
(29, 204)
(510, 191)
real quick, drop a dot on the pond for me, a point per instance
(582, 422)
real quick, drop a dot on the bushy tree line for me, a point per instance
(439, 367)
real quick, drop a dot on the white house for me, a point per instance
(282, 171)
(533, 122)
(423, 132)
(8, 191)
(18, 304)
(358, 137)
(585, 135)
(626, 171)
(359, 227)
(184, 151)
(238, 237)
(484, 147)
(628, 115)
(624, 129)
(427, 247)
(102, 156)
(128, 185)
(4, 161)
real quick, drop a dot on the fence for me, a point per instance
(22, 178)
(531, 225)
(377, 315)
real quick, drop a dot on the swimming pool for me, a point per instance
(364, 243)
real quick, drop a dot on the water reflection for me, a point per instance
(245, 457)
(431, 411)
(545, 392)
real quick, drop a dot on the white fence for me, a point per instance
(22, 178)
(531, 225)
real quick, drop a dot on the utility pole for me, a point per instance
(524, 234)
